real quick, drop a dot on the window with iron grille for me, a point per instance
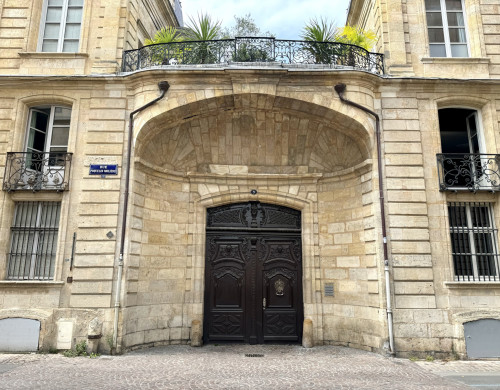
(473, 241)
(33, 241)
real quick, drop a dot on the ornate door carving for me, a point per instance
(253, 274)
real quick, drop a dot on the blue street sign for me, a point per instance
(104, 169)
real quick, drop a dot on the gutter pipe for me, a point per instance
(340, 89)
(163, 86)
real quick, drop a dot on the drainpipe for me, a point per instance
(163, 86)
(340, 89)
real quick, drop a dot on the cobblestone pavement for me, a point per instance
(221, 367)
(477, 374)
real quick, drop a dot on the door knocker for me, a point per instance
(279, 286)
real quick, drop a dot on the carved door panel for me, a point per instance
(226, 297)
(281, 276)
(253, 274)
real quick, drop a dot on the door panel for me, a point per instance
(253, 274)
(281, 272)
(225, 273)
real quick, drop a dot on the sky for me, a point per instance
(283, 18)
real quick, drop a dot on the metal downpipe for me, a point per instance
(340, 89)
(163, 86)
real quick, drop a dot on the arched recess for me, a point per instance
(254, 130)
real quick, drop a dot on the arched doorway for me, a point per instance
(253, 274)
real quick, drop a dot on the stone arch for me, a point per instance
(304, 133)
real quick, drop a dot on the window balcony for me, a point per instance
(260, 51)
(37, 171)
(468, 172)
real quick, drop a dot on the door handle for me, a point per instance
(263, 303)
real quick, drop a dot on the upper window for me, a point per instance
(473, 241)
(446, 27)
(33, 241)
(61, 24)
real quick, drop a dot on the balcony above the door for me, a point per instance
(253, 52)
(37, 171)
(468, 172)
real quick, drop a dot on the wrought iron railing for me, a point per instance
(34, 171)
(256, 50)
(468, 171)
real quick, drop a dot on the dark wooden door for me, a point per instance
(253, 274)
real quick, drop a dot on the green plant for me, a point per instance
(52, 350)
(167, 34)
(204, 29)
(429, 358)
(318, 33)
(80, 350)
(354, 35)
(246, 53)
(109, 341)
(94, 355)
(413, 358)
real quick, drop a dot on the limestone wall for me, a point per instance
(108, 28)
(403, 39)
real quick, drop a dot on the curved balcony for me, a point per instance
(468, 172)
(37, 171)
(286, 53)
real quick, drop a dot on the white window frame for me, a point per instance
(62, 30)
(50, 127)
(470, 230)
(45, 169)
(446, 30)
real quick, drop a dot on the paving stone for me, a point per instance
(221, 367)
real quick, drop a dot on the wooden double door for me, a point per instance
(253, 274)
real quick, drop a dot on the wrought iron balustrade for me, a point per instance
(468, 171)
(253, 50)
(35, 171)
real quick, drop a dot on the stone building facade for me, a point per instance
(251, 140)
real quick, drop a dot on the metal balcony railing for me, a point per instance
(34, 171)
(254, 50)
(468, 172)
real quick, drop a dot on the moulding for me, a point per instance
(30, 283)
(471, 285)
(455, 60)
(39, 54)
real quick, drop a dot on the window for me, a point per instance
(459, 130)
(473, 241)
(48, 131)
(61, 24)
(446, 28)
(33, 241)
(463, 163)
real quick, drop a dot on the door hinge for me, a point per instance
(263, 303)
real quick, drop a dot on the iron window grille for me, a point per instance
(33, 242)
(473, 241)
